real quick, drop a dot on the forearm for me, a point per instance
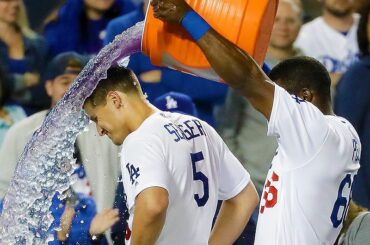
(234, 216)
(146, 229)
(238, 70)
(229, 62)
(149, 216)
(65, 224)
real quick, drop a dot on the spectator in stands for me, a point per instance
(356, 226)
(353, 102)
(286, 27)
(176, 102)
(96, 177)
(79, 25)
(9, 114)
(22, 52)
(331, 38)
(156, 81)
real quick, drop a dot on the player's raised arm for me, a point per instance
(232, 64)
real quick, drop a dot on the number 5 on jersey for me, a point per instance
(199, 176)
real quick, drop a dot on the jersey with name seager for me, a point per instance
(307, 190)
(186, 157)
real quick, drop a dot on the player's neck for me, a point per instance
(341, 24)
(325, 108)
(141, 111)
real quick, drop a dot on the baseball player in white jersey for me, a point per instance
(175, 168)
(307, 190)
(335, 50)
(332, 37)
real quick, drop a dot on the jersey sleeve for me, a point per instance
(143, 166)
(233, 177)
(300, 127)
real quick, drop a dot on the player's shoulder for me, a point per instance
(309, 30)
(150, 128)
(318, 22)
(341, 126)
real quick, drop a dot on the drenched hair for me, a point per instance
(118, 78)
(362, 33)
(302, 72)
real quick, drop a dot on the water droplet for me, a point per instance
(65, 167)
(46, 164)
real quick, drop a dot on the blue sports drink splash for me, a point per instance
(47, 161)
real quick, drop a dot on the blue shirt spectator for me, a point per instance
(22, 53)
(176, 102)
(9, 114)
(352, 101)
(205, 94)
(80, 25)
(85, 210)
(21, 89)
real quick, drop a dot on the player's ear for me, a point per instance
(306, 94)
(115, 98)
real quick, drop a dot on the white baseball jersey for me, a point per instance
(307, 190)
(333, 49)
(185, 156)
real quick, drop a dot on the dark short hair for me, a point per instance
(118, 78)
(301, 72)
(362, 33)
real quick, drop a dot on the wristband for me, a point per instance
(195, 25)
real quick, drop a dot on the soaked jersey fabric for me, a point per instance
(308, 186)
(186, 157)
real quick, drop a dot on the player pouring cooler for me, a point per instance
(308, 187)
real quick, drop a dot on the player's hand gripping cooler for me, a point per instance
(246, 23)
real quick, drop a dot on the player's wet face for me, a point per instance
(109, 121)
(339, 8)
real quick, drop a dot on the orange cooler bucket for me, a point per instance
(246, 23)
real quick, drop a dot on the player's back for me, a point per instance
(194, 156)
(308, 186)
